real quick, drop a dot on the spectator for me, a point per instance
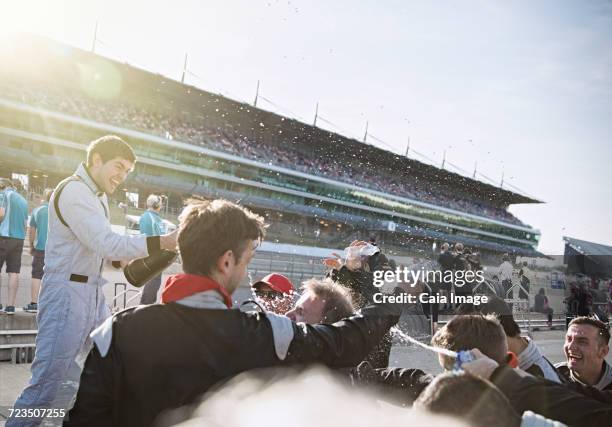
(446, 259)
(462, 256)
(609, 296)
(194, 335)
(473, 259)
(530, 358)
(322, 301)
(447, 263)
(357, 275)
(275, 292)
(473, 331)
(433, 288)
(218, 134)
(524, 392)
(458, 253)
(13, 219)
(527, 279)
(38, 239)
(3, 184)
(541, 305)
(505, 273)
(584, 300)
(586, 347)
(151, 224)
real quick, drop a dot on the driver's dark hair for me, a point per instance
(110, 147)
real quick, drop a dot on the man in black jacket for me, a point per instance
(357, 274)
(153, 358)
(530, 358)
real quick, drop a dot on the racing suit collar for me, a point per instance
(83, 173)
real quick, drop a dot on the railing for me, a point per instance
(124, 294)
(20, 352)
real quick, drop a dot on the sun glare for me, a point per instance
(30, 15)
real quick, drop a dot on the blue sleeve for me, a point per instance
(162, 227)
(146, 225)
(33, 218)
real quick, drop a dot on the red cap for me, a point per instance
(277, 282)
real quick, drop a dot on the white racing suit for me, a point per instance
(71, 303)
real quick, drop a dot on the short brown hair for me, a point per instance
(472, 331)
(337, 299)
(603, 332)
(110, 147)
(468, 398)
(209, 229)
(498, 307)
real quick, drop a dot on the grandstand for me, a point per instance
(316, 188)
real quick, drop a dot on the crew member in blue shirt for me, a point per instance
(38, 239)
(3, 184)
(14, 216)
(151, 224)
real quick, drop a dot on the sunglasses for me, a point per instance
(268, 293)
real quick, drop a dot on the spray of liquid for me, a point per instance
(397, 331)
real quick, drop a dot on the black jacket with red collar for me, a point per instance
(165, 356)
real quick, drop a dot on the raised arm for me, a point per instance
(81, 212)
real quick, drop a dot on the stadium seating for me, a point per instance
(187, 125)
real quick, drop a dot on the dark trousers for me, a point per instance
(149, 293)
(548, 311)
(507, 284)
(431, 309)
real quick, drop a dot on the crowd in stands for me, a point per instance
(190, 127)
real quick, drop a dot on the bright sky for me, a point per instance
(522, 88)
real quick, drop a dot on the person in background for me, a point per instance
(38, 239)
(356, 273)
(530, 358)
(447, 263)
(610, 296)
(505, 273)
(322, 301)
(274, 292)
(541, 305)
(527, 279)
(13, 220)
(151, 224)
(3, 184)
(586, 347)
(484, 337)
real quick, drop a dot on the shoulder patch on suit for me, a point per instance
(282, 331)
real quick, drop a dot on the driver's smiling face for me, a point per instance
(113, 173)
